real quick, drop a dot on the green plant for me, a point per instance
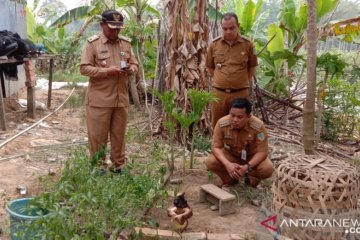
(84, 204)
(199, 100)
(333, 67)
(167, 100)
(289, 38)
(342, 107)
(135, 135)
(185, 121)
(202, 143)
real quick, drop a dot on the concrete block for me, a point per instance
(218, 236)
(194, 236)
(237, 237)
(217, 196)
(150, 232)
(226, 207)
(217, 192)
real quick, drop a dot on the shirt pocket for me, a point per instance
(219, 57)
(242, 59)
(103, 59)
(228, 142)
(251, 144)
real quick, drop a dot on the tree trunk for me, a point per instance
(134, 92)
(309, 107)
(320, 108)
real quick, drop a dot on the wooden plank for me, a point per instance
(50, 82)
(217, 192)
(31, 102)
(2, 107)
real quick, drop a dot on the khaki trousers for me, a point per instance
(222, 107)
(261, 171)
(104, 120)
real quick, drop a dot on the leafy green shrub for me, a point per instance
(86, 203)
(202, 143)
(342, 107)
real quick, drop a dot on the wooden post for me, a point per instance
(2, 107)
(31, 102)
(50, 82)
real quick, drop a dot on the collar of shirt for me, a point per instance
(104, 39)
(245, 128)
(238, 38)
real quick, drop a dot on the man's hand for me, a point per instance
(234, 170)
(124, 72)
(210, 71)
(244, 169)
(127, 71)
(113, 71)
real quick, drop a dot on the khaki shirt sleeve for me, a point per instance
(218, 137)
(210, 57)
(134, 65)
(253, 62)
(87, 64)
(261, 142)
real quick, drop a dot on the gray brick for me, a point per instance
(194, 236)
(218, 236)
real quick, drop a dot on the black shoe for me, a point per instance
(115, 170)
(100, 171)
(247, 180)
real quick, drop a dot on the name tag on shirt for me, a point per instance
(243, 155)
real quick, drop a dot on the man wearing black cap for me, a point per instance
(108, 60)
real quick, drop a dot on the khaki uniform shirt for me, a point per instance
(99, 54)
(231, 64)
(251, 139)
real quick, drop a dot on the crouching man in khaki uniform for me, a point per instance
(240, 147)
(108, 60)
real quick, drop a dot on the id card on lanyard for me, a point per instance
(244, 152)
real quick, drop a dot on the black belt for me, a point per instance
(229, 90)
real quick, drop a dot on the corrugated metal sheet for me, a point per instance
(13, 18)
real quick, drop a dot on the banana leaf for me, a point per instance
(74, 14)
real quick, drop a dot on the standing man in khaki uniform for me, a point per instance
(240, 147)
(108, 60)
(231, 62)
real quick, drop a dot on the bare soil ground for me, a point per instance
(45, 147)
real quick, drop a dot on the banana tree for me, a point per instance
(293, 19)
(290, 32)
(54, 40)
(248, 13)
(89, 13)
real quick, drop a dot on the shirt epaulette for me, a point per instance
(93, 38)
(217, 38)
(256, 125)
(224, 123)
(246, 38)
(125, 39)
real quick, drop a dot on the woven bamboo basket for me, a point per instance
(312, 188)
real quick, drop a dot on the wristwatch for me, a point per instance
(250, 167)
